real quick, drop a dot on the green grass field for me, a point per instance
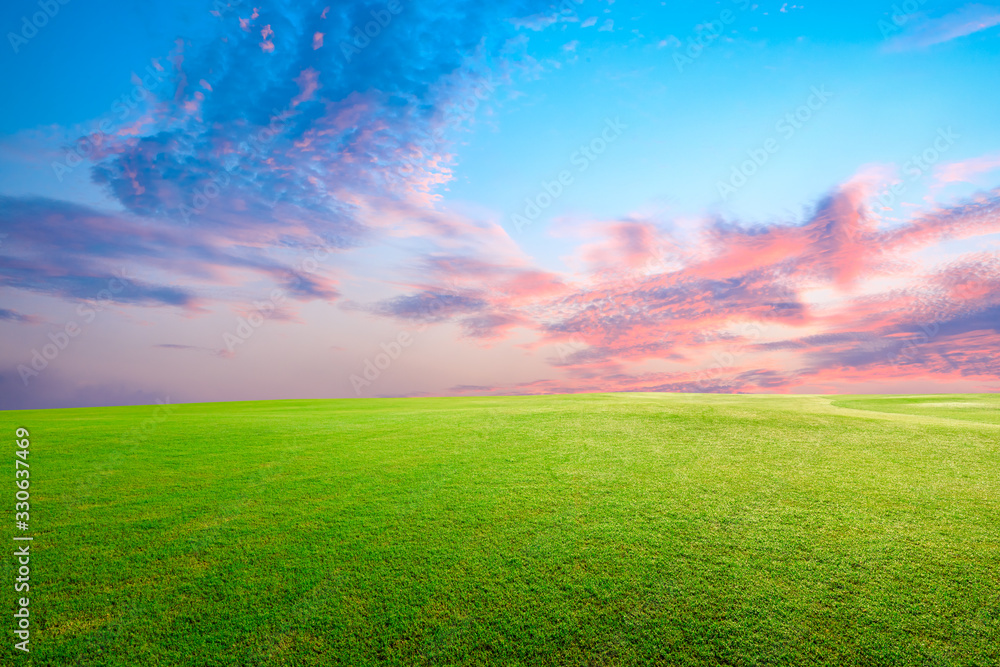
(603, 529)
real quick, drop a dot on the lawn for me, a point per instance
(600, 529)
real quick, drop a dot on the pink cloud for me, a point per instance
(714, 307)
(960, 23)
(267, 46)
(967, 170)
(308, 81)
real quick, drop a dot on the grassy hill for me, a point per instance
(604, 529)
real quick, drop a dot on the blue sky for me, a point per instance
(275, 153)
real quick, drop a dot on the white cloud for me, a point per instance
(965, 21)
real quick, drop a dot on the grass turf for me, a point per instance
(604, 529)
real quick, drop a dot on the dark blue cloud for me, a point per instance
(72, 251)
(52, 389)
(14, 316)
(427, 306)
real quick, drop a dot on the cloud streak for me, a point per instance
(960, 23)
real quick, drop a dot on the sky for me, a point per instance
(212, 201)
